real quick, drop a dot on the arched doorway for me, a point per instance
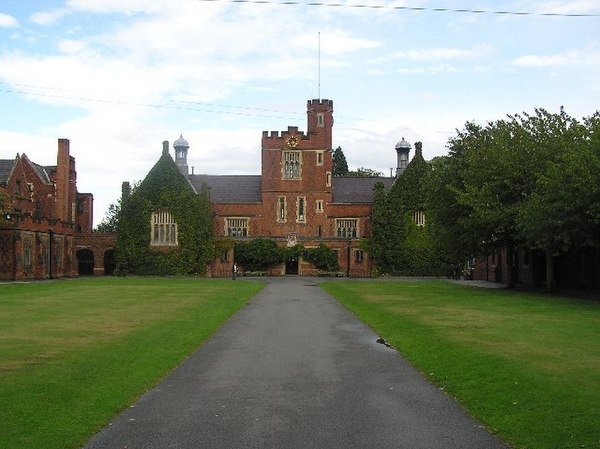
(109, 262)
(291, 265)
(85, 262)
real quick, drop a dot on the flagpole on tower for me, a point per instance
(319, 67)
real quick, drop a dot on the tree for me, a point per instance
(258, 254)
(340, 165)
(363, 172)
(110, 221)
(560, 214)
(323, 258)
(519, 182)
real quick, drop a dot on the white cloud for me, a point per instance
(427, 55)
(122, 6)
(568, 7)
(49, 17)
(7, 21)
(586, 57)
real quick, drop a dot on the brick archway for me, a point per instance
(85, 262)
(102, 245)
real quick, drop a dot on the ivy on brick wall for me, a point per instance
(398, 245)
(164, 189)
(258, 254)
(322, 257)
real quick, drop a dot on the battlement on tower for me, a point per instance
(279, 135)
(320, 102)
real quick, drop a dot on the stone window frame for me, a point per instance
(347, 228)
(319, 206)
(291, 165)
(163, 229)
(320, 120)
(320, 158)
(281, 209)
(237, 226)
(359, 256)
(419, 218)
(328, 179)
(301, 209)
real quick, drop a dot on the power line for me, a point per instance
(405, 8)
(188, 106)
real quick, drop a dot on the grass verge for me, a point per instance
(526, 365)
(74, 353)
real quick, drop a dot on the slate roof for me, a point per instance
(6, 167)
(351, 189)
(230, 188)
(42, 171)
(247, 188)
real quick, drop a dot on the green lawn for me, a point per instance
(74, 353)
(526, 365)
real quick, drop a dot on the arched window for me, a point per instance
(163, 229)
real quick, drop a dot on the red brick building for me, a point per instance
(44, 220)
(296, 199)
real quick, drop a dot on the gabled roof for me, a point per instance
(230, 188)
(6, 168)
(352, 189)
(42, 171)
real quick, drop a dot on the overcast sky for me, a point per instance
(117, 77)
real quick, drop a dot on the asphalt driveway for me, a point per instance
(294, 369)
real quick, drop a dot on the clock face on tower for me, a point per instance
(292, 141)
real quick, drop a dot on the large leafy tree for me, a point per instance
(445, 214)
(561, 213)
(111, 219)
(340, 165)
(493, 180)
(363, 172)
(519, 181)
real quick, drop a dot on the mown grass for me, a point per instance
(527, 365)
(74, 353)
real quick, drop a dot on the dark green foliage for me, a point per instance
(340, 165)
(258, 254)
(111, 220)
(363, 172)
(164, 189)
(323, 258)
(529, 180)
(388, 233)
(398, 245)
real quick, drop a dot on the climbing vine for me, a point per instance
(164, 189)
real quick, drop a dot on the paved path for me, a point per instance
(294, 369)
